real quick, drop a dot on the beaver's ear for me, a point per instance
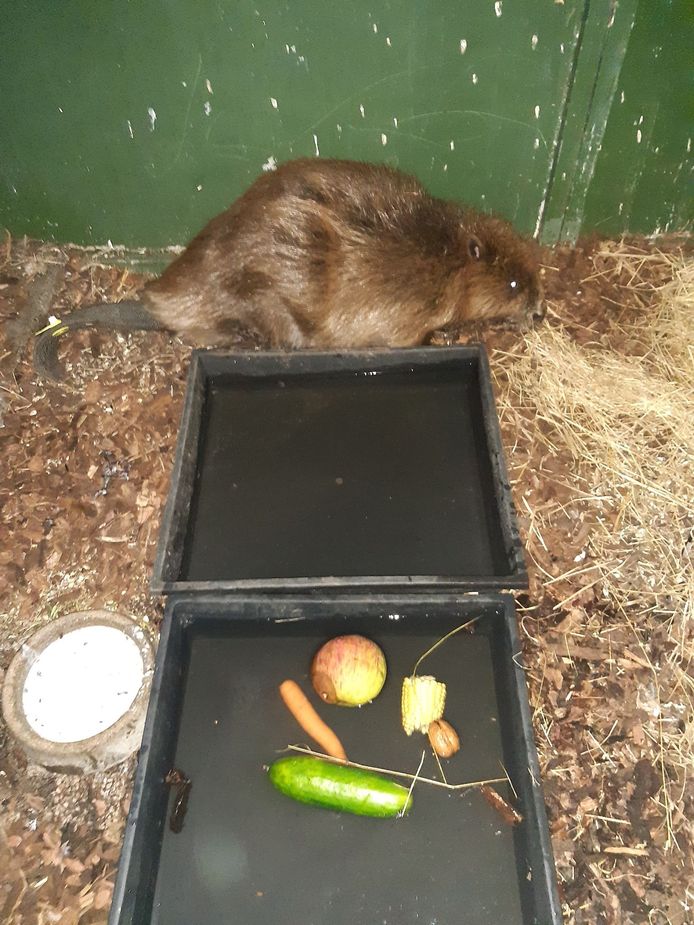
(475, 247)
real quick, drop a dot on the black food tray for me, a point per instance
(249, 855)
(375, 470)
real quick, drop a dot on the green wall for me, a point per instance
(643, 175)
(135, 122)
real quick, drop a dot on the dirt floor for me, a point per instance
(84, 476)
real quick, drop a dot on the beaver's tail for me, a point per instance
(116, 316)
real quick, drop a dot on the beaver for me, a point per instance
(330, 254)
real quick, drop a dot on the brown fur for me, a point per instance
(327, 253)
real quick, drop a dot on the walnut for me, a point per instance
(443, 737)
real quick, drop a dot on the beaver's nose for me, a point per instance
(537, 311)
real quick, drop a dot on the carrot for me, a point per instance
(299, 706)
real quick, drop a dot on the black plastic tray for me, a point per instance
(376, 470)
(249, 855)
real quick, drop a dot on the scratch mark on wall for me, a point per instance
(478, 113)
(315, 142)
(130, 128)
(419, 138)
(360, 91)
(186, 118)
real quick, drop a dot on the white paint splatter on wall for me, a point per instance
(273, 102)
(361, 110)
(497, 7)
(375, 27)
(388, 42)
(384, 139)
(537, 112)
(533, 41)
(536, 143)
(315, 142)
(561, 48)
(152, 118)
(270, 164)
(130, 129)
(207, 108)
(395, 121)
(209, 87)
(639, 136)
(452, 145)
(463, 46)
(474, 78)
(621, 98)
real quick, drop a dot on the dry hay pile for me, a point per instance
(603, 466)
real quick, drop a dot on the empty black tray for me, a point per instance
(360, 470)
(251, 856)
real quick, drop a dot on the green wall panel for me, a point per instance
(643, 175)
(135, 122)
(603, 36)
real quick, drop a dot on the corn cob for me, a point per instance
(423, 700)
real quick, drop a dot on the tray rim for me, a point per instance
(205, 364)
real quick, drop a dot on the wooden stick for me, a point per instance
(368, 767)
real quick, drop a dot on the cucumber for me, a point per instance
(339, 787)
